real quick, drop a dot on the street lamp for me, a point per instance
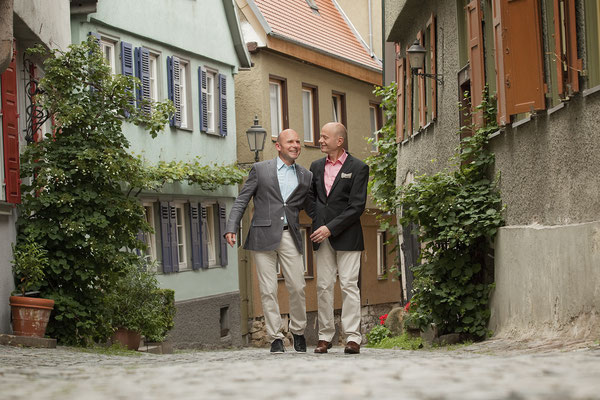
(416, 58)
(256, 138)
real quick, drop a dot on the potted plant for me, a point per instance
(30, 315)
(138, 307)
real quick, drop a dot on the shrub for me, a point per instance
(377, 334)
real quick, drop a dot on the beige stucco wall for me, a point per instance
(357, 12)
(46, 21)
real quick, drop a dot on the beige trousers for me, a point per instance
(347, 266)
(292, 267)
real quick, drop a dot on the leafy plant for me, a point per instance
(80, 185)
(458, 213)
(402, 342)
(377, 334)
(137, 303)
(29, 262)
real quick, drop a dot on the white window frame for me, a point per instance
(275, 129)
(211, 100)
(381, 254)
(373, 121)
(154, 74)
(211, 237)
(336, 106)
(304, 236)
(181, 232)
(184, 90)
(311, 116)
(150, 237)
(109, 44)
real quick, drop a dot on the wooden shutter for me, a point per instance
(165, 237)
(432, 44)
(568, 64)
(408, 100)
(476, 58)
(177, 90)
(203, 91)
(144, 56)
(170, 90)
(222, 105)
(96, 36)
(523, 77)
(127, 62)
(422, 96)
(203, 232)
(222, 223)
(173, 234)
(196, 236)
(501, 115)
(10, 132)
(400, 79)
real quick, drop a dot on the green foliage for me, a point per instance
(402, 342)
(458, 213)
(137, 303)
(116, 349)
(73, 202)
(377, 334)
(382, 166)
(29, 262)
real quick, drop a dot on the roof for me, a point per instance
(326, 31)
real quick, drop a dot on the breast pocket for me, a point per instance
(261, 222)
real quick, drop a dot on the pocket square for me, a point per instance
(346, 175)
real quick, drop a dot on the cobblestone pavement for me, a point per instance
(495, 369)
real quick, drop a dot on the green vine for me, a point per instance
(458, 213)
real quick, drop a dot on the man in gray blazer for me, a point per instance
(279, 188)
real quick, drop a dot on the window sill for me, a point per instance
(6, 208)
(312, 146)
(521, 122)
(382, 278)
(308, 277)
(213, 133)
(554, 109)
(497, 133)
(184, 129)
(590, 91)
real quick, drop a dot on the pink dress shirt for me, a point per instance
(331, 171)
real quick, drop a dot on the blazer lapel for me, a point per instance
(274, 179)
(322, 176)
(300, 176)
(345, 168)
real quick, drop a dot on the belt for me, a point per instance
(286, 227)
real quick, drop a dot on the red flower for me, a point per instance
(407, 307)
(382, 319)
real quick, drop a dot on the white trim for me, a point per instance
(592, 90)
(181, 231)
(211, 93)
(311, 116)
(275, 130)
(149, 237)
(154, 75)
(110, 44)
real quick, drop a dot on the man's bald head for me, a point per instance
(283, 135)
(337, 129)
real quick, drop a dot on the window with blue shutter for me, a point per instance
(196, 235)
(142, 71)
(168, 232)
(203, 91)
(173, 78)
(203, 238)
(222, 105)
(223, 241)
(97, 37)
(127, 62)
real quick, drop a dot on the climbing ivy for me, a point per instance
(458, 213)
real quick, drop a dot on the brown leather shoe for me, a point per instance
(352, 348)
(322, 346)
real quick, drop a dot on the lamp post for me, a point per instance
(416, 57)
(256, 138)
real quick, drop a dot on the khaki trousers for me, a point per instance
(347, 266)
(292, 267)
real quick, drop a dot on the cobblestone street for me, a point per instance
(495, 369)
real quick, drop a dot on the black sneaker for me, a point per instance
(299, 343)
(277, 346)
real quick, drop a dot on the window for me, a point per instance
(381, 254)
(310, 110)
(179, 93)
(181, 235)
(375, 119)
(153, 77)
(338, 106)
(149, 237)
(210, 100)
(592, 40)
(278, 104)
(214, 217)
(108, 50)
(224, 321)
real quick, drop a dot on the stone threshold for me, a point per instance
(27, 341)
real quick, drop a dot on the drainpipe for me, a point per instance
(6, 33)
(371, 29)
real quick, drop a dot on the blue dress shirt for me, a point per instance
(288, 180)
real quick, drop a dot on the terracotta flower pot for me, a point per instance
(30, 315)
(128, 338)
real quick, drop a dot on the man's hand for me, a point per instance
(230, 237)
(320, 234)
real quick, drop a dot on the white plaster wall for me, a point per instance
(49, 20)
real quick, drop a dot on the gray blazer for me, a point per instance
(267, 222)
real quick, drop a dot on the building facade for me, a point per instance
(540, 61)
(301, 81)
(187, 52)
(22, 25)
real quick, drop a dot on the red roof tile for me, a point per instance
(326, 31)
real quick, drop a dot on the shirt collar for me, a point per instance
(340, 160)
(281, 164)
